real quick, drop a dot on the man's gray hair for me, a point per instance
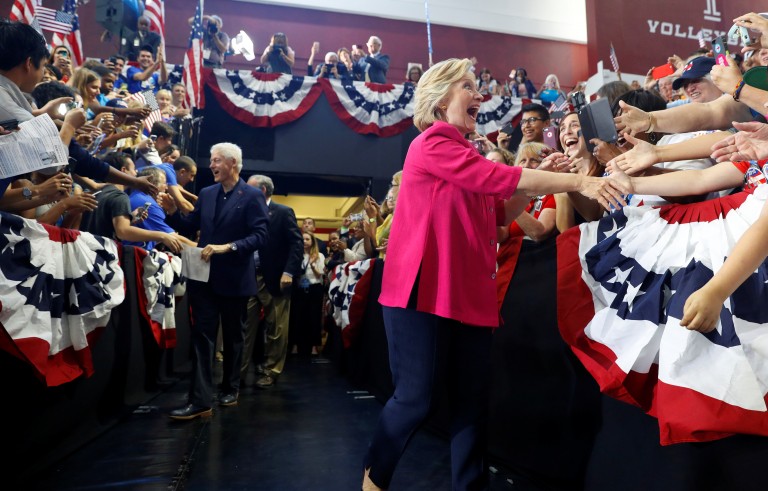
(260, 181)
(229, 151)
(153, 173)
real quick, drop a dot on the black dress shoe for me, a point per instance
(191, 411)
(228, 399)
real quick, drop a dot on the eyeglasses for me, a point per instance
(524, 122)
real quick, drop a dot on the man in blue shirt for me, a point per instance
(155, 219)
(145, 76)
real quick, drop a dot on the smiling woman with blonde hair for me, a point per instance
(439, 279)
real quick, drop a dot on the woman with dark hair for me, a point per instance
(519, 85)
(307, 300)
(278, 56)
(486, 84)
(61, 58)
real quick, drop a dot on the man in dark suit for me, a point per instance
(279, 261)
(375, 64)
(133, 41)
(233, 223)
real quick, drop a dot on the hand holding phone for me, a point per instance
(10, 124)
(720, 51)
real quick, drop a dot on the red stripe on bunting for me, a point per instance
(381, 88)
(705, 211)
(248, 117)
(60, 368)
(354, 123)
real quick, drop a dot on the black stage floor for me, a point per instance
(309, 432)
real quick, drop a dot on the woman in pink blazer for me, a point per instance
(438, 291)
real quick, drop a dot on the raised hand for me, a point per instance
(632, 120)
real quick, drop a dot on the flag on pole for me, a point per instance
(54, 20)
(23, 11)
(193, 60)
(154, 10)
(614, 59)
(71, 40)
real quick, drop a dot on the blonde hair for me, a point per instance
(507, 156)
(529, 150)
(397, 177)
(432, 89)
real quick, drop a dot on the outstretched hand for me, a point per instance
(642, 156)
(608, 192)
(750, 143)
(632, 120)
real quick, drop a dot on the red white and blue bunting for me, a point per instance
(263, 100)
(267, 100)
(375, 109)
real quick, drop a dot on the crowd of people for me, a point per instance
(466, 195)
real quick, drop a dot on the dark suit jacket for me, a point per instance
(284, 250)
(131, 51)
(379, 65)
(243, 222)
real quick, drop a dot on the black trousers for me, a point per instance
(209, 310)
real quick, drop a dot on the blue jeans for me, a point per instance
(424, 351)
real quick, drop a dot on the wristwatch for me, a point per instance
(232, 246)
(27, 193)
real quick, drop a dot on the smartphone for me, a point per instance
(720, 51)
(552, 137)
(596, 121)
(146, 206)
(662, 71)
(9, 124)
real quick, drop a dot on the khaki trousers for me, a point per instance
(276, 318)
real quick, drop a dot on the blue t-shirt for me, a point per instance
(155, 220)
(152, 83)
(170, 174)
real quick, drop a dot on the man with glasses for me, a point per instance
(535, 118)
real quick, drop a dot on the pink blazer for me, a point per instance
(449, 205)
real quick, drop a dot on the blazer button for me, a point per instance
(493, 276)
(490, 209)
(493, 241)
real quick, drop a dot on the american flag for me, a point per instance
(193, 60)
(614, 59)
(24, 11)
(59, 287)
(626, 279)
(560, 105)
(71, 40)
(700, 37)
(147, 98)
(54, 20)
(154, 10)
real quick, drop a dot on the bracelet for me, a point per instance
(737, 90)
(651, 123)
(371, 220)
